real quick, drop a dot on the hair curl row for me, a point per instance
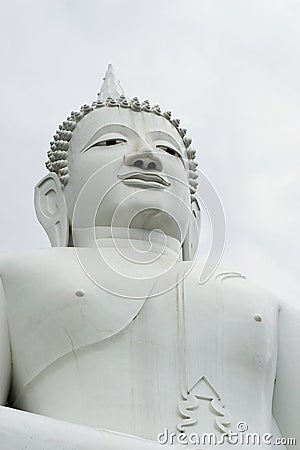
(58, 153)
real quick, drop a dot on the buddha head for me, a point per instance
(120, 163)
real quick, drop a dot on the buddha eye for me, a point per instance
(108, 142)
(169, 150)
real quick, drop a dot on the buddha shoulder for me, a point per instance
(227, 287)
(38, 265)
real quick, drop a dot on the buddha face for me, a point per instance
(131, 168)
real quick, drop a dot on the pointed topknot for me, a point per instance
(111, 87)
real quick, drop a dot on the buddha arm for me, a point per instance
(5, 354)
(286, 399)
(19, 429)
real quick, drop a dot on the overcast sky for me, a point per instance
(230, 69)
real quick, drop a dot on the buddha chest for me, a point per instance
(196, 357)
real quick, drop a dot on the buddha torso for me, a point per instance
(137, 366)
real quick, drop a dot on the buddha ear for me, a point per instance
(51, 210)
(190, 244)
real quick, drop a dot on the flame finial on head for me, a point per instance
(111, 87)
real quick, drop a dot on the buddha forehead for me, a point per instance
(132, 124)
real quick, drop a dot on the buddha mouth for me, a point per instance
(144, 180)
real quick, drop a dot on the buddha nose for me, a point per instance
(144, 159)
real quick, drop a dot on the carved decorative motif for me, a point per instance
(202, 389)
(227, 275)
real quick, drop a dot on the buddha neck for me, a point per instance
(142, 242)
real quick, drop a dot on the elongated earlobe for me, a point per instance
(51, 210)
(191, 241)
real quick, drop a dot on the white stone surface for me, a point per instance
(108, 343)
(21, 430)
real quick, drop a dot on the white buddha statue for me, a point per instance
(108, 340)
